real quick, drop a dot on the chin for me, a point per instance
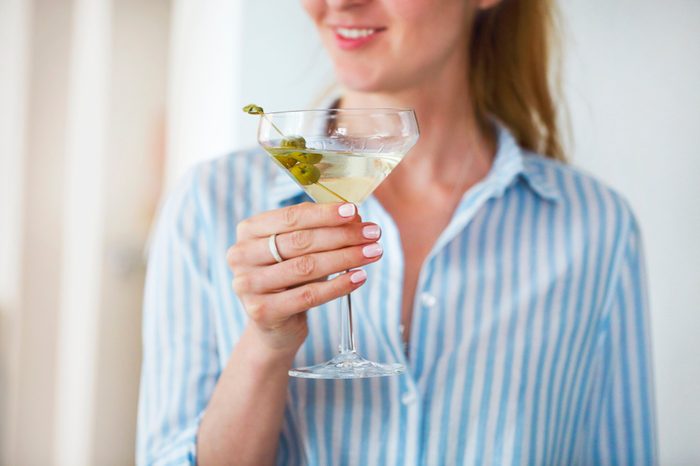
(359, 84)
(362, 78)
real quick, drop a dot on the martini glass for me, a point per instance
(340, 155)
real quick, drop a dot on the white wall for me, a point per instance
(80, 280)
(41, 112)
(203, 82)
(14, 43)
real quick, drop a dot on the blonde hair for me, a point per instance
(511, 76)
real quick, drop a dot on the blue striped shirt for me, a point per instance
(530, 341)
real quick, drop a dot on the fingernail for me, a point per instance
(347, 210)
(358, 276)
(372, 250)
(371, 231)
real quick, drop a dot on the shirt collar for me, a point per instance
(511, 163)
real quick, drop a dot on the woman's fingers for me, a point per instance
(276, 307)
(256, 252)
(314, 241)
(304, 269)
(296, 217)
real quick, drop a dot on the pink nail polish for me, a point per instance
(371, 231)
(347, 210)
(372, 250)
(358, 276)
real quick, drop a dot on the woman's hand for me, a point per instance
(315, 240)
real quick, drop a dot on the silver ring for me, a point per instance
(272, 245)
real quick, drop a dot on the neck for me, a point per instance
(450, 132)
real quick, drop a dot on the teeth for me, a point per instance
(354, 33)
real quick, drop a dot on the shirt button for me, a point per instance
(428, 299)
(408, 398)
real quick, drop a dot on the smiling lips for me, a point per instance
(349, 38)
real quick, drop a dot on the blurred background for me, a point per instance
(104, 104)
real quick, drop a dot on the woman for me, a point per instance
(510, 284)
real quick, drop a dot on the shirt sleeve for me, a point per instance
(626, 427)
(179, 369)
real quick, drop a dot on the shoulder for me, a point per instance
(591, 224)
(580, 193)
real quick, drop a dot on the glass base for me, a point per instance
(347, 366)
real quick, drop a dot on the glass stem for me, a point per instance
(347, 339)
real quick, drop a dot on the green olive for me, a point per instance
(305, 173)
(253, 109)
(306, 157)
(286, 161)
(294, 142)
